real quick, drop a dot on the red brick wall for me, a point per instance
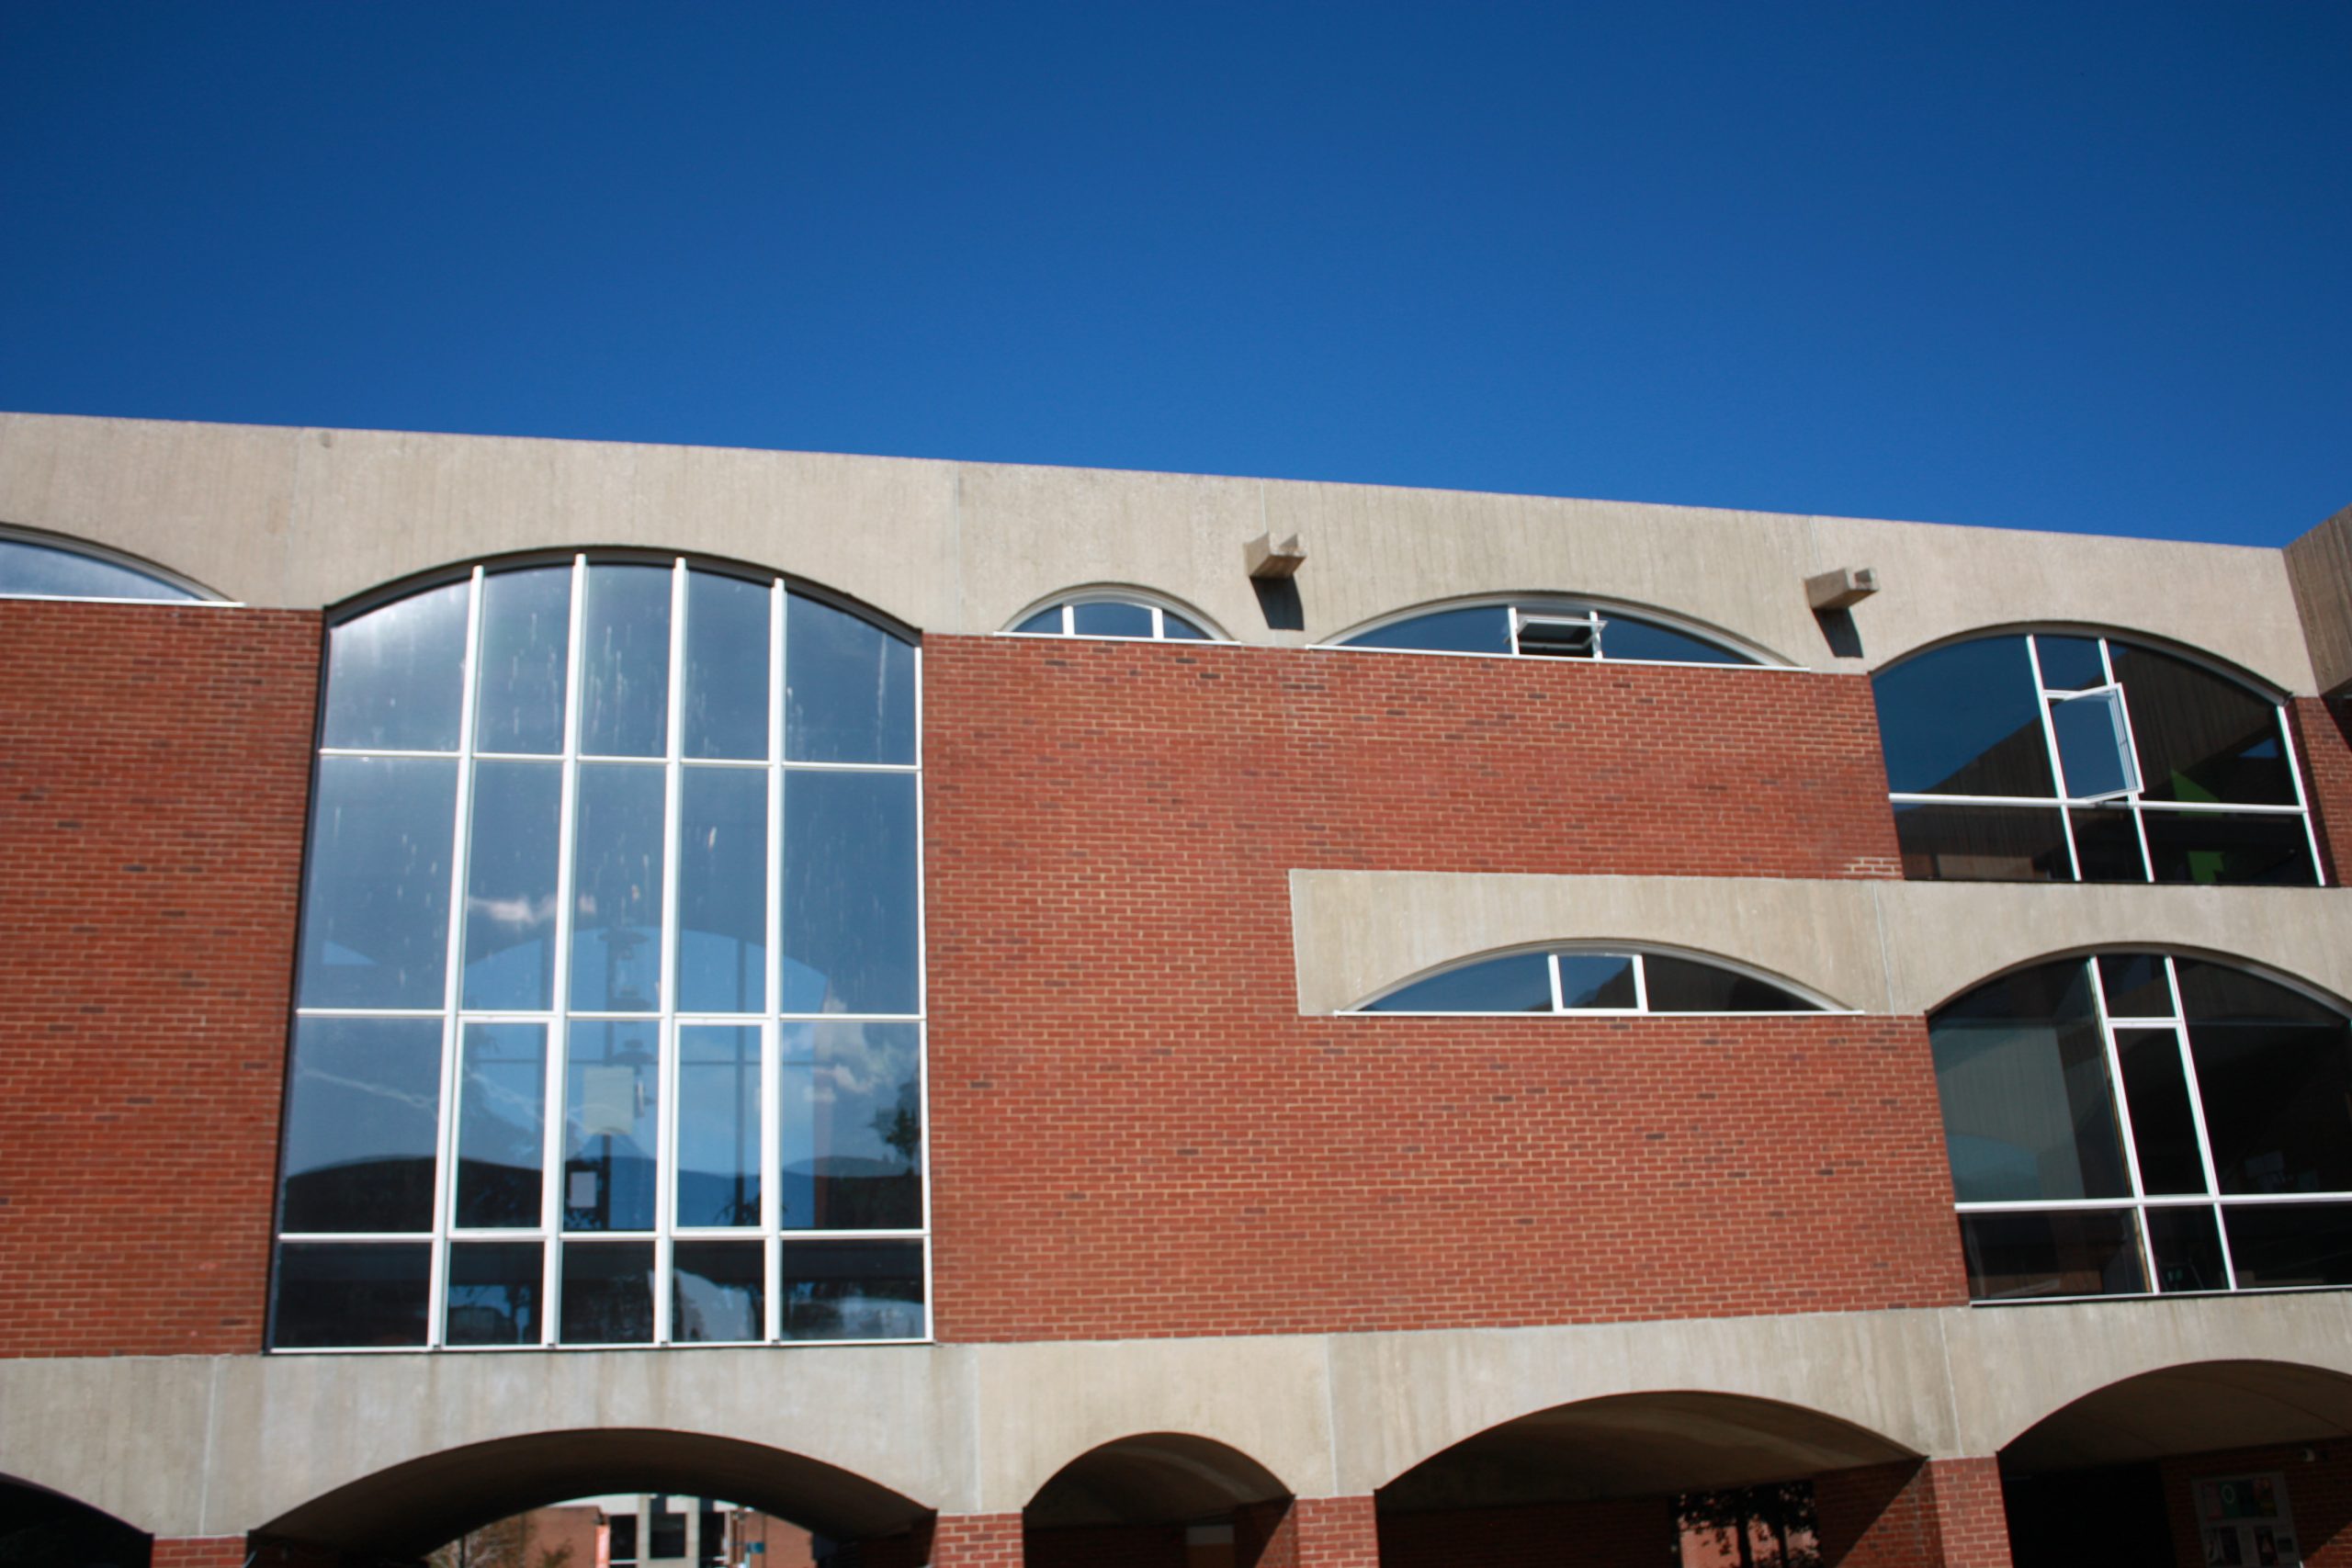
(200, 1551)
(1134, 1132)
(2319, 1495)
(1972, 1524)
(2321, 740)
(975, 1541)
(154, 764)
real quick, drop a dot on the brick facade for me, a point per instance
(2319, 1495)
(199, 1552)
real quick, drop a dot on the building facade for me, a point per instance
(1013, 1015)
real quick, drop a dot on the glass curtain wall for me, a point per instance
(609, 1006)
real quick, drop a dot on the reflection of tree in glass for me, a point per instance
(1773, 1526)
(901, 1127)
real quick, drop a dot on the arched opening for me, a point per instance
(2223, 1462)
(40, 1529)
(1155, 1500)
(1693, 1478)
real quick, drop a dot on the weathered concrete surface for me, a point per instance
(2320, 566)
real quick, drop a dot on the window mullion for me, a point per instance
(2050, 749)
(2303, 802)
(770, 1043)
(2139, 773)
(2197, 1116)
(1640, 984)
(445, 1164)
(2123, 1127)
(665, 1074)
(559, 1040)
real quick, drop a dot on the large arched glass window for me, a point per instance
(610, 993)
(2137, 1122)
(1544, 629)
(2060, 758)
(34, 567)
(1589, 980)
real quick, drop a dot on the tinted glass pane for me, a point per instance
(1597, 980)
(2279, 1246)
(2200, 736)
(344, 1297)
(1964, 720)
(1483, 628)
(851, 1135)
(1172, 625)
(393, 675)
(1106, 618)
(1681, 985)
(526, 638)
(2229, 848)
(28, 567)
(718, 1125)
(1981, 843)
(494, 1293)
(616, 890)
(2069, 663)
(1520, 983)
(2091, 752)
(719, 1292)
(850, 878)
(363, 1110)
(849, 688)
(666, 1528)
(502, 1125)
(1625, 638)
(2053, 1253)
(726, 667)
(2107, 843)
(607, 1293)
(510, 886)
(624, 662)
(2021, 1070)
(376, 892)
(2135, 985)
(2277, 1101)
(1562, 638)
(847, 1290)
(612, 1088)
(1046, 622)
(2188, 1247)
(2163, 1129)
(722, 890)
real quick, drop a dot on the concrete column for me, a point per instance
(975, 1540)
(1971, 1526)
(199, 1552)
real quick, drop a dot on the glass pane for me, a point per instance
(723, 890)
(2278, 1100)
(2281, 1245)
(1556, 637)
(612, 1088)
(2188, 1247)
(1981, 843)
(494, 1293)
(344, 1297)
(1482, 628)
(502, 1125)
(526, 638)
(1625, 639)
(852, 1289)
(2135, 985)
(851, 876)
(2163, 1128)
(1964, 720)
(1176, 626)
(2069, 663)
(1046, 622)
(2091, 751)
(375, 895)
(2063, 1252)
(719, 1292)
(29, 567)
(726, 667)
(849, 688)
(393, 675)
(510, 886)
(719, 1124)
(851, 1140)
(2021, 1070)
(607, 1293)
(1683, 985)
(616, 890)
(1596, 980)
(2229, 848)
(1520, 983)
(1104, 617)
(624, 662)
(2107, 843)
(363, 1108)
(2202, 738)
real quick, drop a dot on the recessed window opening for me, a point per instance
(41, 567)
(2061, 757)
(1111, 615)
(1621, 982)
(2134, 1124)
(1544, 629)
(609, 1005)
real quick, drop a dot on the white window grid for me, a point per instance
(2133, 799)
(1815, 1007)
(550, 1234)
(1066, 611)
(1563, 613)
(2140, 1202)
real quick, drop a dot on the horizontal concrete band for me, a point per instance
(214, 1446)
(1872, 946)
(304, 518)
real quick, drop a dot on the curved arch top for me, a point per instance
(1152, 1478)
(1552, 625)
(1592, 977)
(37, 565)
(1164, 617)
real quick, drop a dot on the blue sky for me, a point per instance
(2082, 266)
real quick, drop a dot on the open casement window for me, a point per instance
(1584, 981)
(2061, 757)
(1544, 629)
(1535, 635)
(43, 567)
(2140, 1122)
(1106, 616)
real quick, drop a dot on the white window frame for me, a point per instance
(1066, 606)
(1817, 1006)
(1541, 608)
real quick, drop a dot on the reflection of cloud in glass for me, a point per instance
(522, 913)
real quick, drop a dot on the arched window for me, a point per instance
(610, 993)
(1110, 615)
(1588, 981)
(1544, 629)
(2055, 757)
(2139, 1121)
(33, 567)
